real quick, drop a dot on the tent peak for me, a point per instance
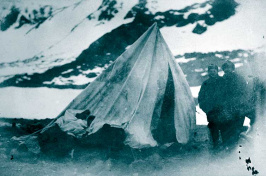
(154, 25)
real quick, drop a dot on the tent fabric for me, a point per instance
(70, 124)
(130, 93)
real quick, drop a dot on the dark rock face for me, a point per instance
(36, 17)
(219, 10)
(199, 29)
(10, 19)
(109, 12)
(223, 9)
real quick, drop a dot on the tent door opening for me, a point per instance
(164, 127)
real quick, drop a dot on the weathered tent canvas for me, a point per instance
(143, 92)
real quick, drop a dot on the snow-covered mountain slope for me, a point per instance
(66, 44)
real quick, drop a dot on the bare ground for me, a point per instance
(194, 159)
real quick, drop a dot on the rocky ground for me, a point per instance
(196, 158)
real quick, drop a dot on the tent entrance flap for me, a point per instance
(163, 127)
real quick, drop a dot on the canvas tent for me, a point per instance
(143, 92)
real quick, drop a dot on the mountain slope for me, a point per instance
(76, 41)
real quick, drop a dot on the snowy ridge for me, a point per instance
(75, 39)
(73, 74)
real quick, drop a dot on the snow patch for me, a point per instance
(199, 70)
(76, 80)
(57, 35)
(235, 60)
(219, 55)
(198, 10)
(34, 103)
(201, 118)
(237, 65)
(240, 31)
(245, 55)
(204, 74)
(95, 70)
(68, 71)
(161, 6)
(2, 79)
(33, 65)
(195, 91)
(159, 17)
(184, 60)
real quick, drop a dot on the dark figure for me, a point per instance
(210, 101)
(235, 101)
